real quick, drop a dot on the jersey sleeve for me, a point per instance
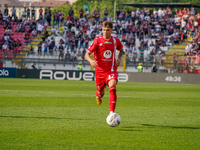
(119, 45)
(93, 47)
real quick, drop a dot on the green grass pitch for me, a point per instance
(53, 114)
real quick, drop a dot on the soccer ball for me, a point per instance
(113, 119)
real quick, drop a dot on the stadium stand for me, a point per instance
(147, 36)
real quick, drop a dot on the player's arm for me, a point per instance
(119, 58)
(92, 62)
(120, 54)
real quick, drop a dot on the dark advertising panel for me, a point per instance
(63, 75)
(122, 76)
(7, 72)
(55, 74)
(28, 73)
(66, 75)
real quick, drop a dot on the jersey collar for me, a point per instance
(107, 39)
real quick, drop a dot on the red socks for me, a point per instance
(113, 98)
(99, 94)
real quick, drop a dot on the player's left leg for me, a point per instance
(113, 96)
(111, 81)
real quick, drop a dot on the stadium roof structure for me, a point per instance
(161, 4)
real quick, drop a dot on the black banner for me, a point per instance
(28, 73)
(122, 76)
(8, 72)
(56, 74)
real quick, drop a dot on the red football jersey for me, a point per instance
(104, 53)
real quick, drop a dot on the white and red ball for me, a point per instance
(113, 119)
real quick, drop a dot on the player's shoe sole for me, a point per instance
(98, 99)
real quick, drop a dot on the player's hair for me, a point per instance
(108, 24)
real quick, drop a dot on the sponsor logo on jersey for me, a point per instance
(107, 54)
(106, 42)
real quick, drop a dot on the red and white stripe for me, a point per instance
(113, 61)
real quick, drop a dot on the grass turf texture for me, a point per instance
(51, 114)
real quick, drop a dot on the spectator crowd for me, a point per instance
(142, 31)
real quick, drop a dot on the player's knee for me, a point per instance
(112, 83)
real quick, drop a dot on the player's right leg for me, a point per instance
(99, 95)
(100, 83)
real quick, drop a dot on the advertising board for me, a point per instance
(8, 72)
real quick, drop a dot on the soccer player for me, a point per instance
(104, 48)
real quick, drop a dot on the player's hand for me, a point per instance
(117, 63)
(93, 63)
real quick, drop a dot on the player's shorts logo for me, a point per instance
(107, 54)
